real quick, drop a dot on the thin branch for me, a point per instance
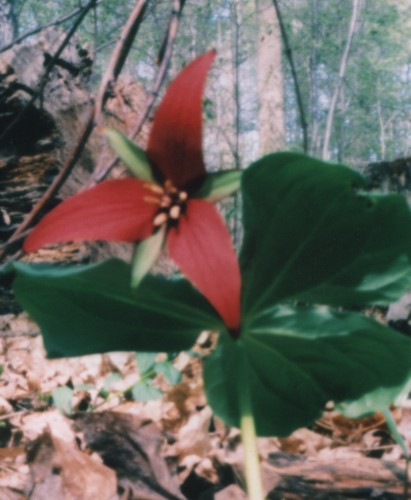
(113, 71)
(119, 56)
(289, 55)
(164, 56)
(56, 22)
(166, 47)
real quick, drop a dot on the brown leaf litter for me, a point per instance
(112, 447)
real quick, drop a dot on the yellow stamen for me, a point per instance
(182, 195)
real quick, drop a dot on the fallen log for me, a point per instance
(41, 120)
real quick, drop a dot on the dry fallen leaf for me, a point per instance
(133, 448)
(62, 472)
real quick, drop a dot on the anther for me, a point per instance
(182, 195)
(165, 201)
(169, 186)
(175, 212)
(160, 219)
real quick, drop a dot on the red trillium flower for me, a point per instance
(169, 203)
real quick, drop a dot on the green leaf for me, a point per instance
(108, 382)
(133, 156)
(147, 253)
(91, 309)
(63, 399)
(219, 185)
(297, 359)
(311, 234)
(145, 391)
(145, 361)
(84, 387)
(367, 403)
(169, 371)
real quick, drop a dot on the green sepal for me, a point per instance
(92, 309)
(297, 359)
(219, 185)
(146, 255)
(132, 155)
(311, 233)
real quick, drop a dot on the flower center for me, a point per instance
(171, 204)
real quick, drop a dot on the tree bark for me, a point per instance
(8, 22)
(270, 79)
(294, 476)
(314, 91)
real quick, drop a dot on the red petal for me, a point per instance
(114, 210)
(175, 144)
(201, 247)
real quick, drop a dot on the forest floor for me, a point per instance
(71, 429)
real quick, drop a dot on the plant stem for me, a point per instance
(395, 434)
(249, 440)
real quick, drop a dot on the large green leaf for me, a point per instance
(311, 233)
(297, 359)
(91, 309)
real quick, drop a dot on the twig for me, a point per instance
(166, 47)
(112, 72)
(56, 22)
(119, 56)
(165, 54)
(289, 55)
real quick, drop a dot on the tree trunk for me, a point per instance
(341, 73)
(270, 79)
(313, 79)
(8, 22)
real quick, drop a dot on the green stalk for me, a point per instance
(249, 438)
(395, 434)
